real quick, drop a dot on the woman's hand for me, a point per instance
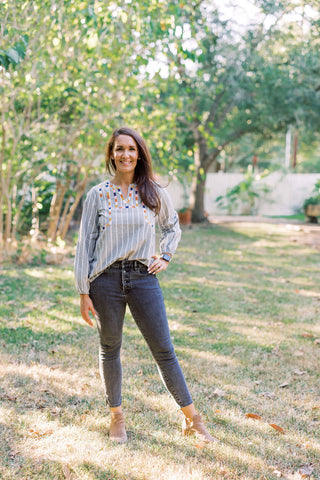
(86, 306)
(158, 265)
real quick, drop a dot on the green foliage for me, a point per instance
(314, 199)
(15, 54)
(245, 194)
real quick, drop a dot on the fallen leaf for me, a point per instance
(317, 407)
(284, 385)
(200, 445)
(268, 395)
(307, 335)
(222, 471)
(276, 427)
(306, 470)
(13, 454)
(277, 473)
(253, 415)
(36, 434)
(299, 372)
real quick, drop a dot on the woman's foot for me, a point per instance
(197, 427)
(117, 428)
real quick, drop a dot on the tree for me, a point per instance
(226, 86)
(63, 89)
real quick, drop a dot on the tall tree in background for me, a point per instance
(228, 85)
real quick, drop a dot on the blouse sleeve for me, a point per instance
(170, 232)
(88, 234)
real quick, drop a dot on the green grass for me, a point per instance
(243, 304)
(298, 216)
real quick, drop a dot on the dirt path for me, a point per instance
(298, 232)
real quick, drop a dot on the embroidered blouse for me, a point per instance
(117, 228)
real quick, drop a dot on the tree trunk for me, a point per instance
(202, 163)
(64, 215)
(80, 191)
(198, 213)
(16, 217)
(55, 209)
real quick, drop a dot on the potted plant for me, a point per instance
(184, 215)
(311, 205)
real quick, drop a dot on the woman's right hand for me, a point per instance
(86, 306)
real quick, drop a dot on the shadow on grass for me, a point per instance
(237, 286)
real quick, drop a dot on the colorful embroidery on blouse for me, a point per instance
(116, 191)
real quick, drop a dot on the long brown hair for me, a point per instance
(143, 174)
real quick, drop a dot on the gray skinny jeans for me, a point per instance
(128, 282)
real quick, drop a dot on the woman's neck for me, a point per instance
(122, 180)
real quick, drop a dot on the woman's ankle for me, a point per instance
(189, 411)
(116, 409)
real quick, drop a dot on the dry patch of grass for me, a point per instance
(243, 305)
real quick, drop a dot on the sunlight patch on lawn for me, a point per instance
(261, 336)
(308, 293)
(37, 273)
(58, 379)
(76, 446)
(49, 273)
(213, 357)
(264, 242)
(163, 403)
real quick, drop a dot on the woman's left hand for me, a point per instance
(158, 265)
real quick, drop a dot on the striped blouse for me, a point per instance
(117, 228)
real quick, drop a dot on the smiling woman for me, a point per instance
(125, 156)
(116, 266)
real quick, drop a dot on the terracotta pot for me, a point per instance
(185, 216)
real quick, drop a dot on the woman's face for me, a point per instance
(125, 154)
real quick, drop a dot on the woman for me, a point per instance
(116, 264)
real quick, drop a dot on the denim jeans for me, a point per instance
(128, 282)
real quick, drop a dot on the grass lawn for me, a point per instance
(243, 304)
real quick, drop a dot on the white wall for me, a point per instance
(286, 197)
